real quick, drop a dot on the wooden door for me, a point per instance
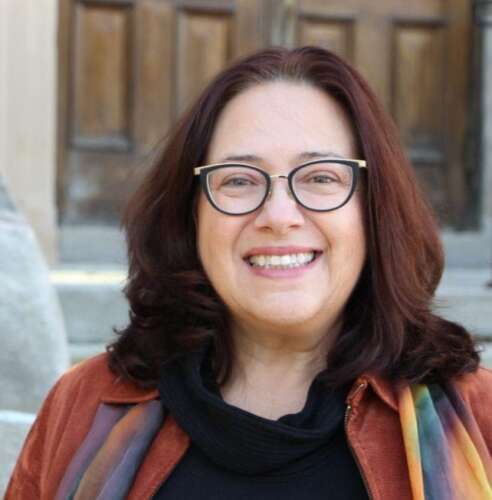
(128, 67)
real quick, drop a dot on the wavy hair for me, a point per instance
(388, 328)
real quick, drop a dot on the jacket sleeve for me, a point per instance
(25, 482)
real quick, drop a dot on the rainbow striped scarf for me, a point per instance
(446, 453)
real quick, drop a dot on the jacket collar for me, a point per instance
(125, 392)
(384, 388)
(122, 391)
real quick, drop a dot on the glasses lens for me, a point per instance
(236, 189)
(323, 185)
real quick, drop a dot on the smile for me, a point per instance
(285, 261)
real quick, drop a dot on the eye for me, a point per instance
(322, 179)
(238, 182)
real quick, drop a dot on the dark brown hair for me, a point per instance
(388, 328)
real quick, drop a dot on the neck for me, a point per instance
(271, 374)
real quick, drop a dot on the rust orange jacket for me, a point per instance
(372, 426)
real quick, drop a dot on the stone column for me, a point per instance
(28, 106)
(483, 17)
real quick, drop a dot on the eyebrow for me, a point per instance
(304, 156)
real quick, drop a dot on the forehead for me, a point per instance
(281, 120)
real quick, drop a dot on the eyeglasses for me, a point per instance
(319, 185)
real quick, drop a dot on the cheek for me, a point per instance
(206, 227)
(359, 227)
(354, 217)
(345, 234)
(217, 237)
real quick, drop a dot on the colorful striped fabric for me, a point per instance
(105, 465)
(446, 454)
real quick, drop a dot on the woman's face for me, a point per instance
(277, 126)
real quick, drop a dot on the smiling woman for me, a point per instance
(283, 264)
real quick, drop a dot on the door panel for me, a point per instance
(204, 47)
(100, 86)
(334, 35)
(418, 101)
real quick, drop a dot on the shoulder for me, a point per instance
(74, 398)
(476, 387)
(93, 373)
(476, 390)
(85, 381)
(93, 380)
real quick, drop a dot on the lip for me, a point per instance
(283, 250)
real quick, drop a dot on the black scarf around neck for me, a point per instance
(241, 441)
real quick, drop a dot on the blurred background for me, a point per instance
(89, 87)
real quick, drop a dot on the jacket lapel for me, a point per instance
(169, 446)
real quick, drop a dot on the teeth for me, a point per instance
(281, 261)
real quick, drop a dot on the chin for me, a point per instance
(288, 315)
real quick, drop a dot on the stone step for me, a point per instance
(486, 354)
(464, 296)
(93, 304)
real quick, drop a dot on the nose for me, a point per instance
(280, 213)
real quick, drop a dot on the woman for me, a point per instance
(281, 342)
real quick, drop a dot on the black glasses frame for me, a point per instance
(204, 170)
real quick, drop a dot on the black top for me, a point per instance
(237, 455)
